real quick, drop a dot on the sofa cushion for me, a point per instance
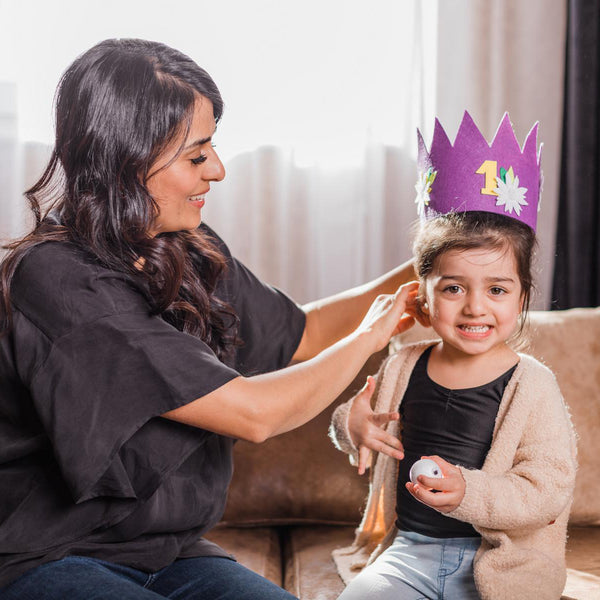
(310, 572)
(257, 548)
(583, 550)
(583, 562)
(581, 586)
(568, 342)
(298, 477)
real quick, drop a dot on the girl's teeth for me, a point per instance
(476, 329)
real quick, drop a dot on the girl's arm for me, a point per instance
(330, 319)
(256, 408)
(533, 492)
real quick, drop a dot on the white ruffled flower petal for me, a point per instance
(422, 188)
(510, 195)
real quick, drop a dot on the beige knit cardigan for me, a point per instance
(519, 501)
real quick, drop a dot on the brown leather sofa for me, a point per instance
(295, 498)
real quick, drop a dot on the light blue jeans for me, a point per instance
(418, 567)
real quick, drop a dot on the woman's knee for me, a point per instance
(76, 578)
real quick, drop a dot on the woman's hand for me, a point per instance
(386, 316)
(366, 428)
(451, 487)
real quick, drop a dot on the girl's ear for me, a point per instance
(422, 312)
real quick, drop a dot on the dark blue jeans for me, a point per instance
(81, 578)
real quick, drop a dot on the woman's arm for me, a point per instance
(330, 319)
(259, 407)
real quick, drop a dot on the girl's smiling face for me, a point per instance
(474, 299)
(179, 187)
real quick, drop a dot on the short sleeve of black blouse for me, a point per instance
(271, 325)
(100, 369)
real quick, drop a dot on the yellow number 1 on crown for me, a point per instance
(489, 168)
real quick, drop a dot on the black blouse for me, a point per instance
(455, 424)
(87, 465)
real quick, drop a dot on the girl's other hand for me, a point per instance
(366, 428)
(451, 487)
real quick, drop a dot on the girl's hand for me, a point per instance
(385, 318)
(366, 428)
(451, 487)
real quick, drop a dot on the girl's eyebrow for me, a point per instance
(491, 279)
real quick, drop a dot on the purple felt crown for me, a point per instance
(473, 175)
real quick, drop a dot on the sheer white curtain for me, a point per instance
(322, 103)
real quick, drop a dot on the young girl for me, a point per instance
(493, 420)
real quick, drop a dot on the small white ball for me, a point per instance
(426, 467)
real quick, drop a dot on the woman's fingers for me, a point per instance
(405, 323)
(385, 314)
(406, 293)
(414, 309)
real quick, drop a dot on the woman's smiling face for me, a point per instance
(180, 187)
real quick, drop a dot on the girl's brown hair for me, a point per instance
(470, 230)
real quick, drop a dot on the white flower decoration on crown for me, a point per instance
(423, 189)
(510, 195)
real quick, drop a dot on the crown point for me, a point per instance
(530, 145)
(439, 134)
(423, 158)
(505, 136)
(469, 135)
(440, 142)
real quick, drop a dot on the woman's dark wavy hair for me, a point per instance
(118, 107)
(477, 229)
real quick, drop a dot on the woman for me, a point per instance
(135, 348)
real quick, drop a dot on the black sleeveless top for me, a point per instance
(454, 424)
